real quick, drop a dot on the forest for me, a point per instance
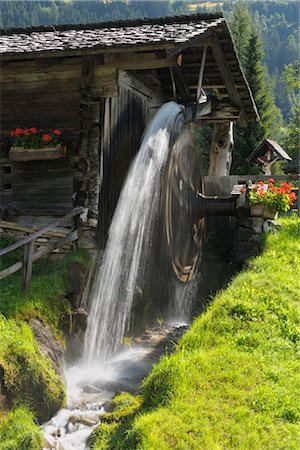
(266, 31)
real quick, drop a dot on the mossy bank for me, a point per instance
(32, 388)
(233, 381)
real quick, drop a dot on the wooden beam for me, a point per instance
(228, 78)
(181, 85)
(40, 233)
(28, 254)
(198, 41)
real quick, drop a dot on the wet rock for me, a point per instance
(75, 339)
(79, 318)
(49, 441)
(49, 346)
(76, 277)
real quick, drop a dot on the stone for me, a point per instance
(76, 277)
(49, 346)
(79, 317)
(243, 234)
(257, 224)
(48, 441)
(275, 227)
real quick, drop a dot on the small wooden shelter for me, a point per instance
(267, 153)
(100, 84)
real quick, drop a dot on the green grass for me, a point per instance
(18, 431)
(233, 382)
(45, 298)
(28, 378)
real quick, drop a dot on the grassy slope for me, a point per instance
(28, 375)
(234, 380)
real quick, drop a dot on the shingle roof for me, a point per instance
(109, 34)
(263, 148)
(223, 75)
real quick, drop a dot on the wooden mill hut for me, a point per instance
(100, 84)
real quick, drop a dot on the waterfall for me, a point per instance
(126, 256)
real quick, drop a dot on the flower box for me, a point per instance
(263, 211)
(37, 154)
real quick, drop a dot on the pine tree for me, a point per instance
(292, 78)
(250, 52)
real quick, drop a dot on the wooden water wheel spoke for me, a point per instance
(183, 230)
(182, 171)
(176, 191)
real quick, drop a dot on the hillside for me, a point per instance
(233, 381)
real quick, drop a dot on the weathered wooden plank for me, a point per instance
(28, 254)
(10, 270)
(13, 226)
(54, 244)
(90, 52)
(182, 86)
(38, 76)
(228, 78)
(138, 88)
(25, 241)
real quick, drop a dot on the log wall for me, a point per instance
(78, 96)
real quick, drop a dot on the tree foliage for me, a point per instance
(250, 52)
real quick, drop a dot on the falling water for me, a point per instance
(130, 237)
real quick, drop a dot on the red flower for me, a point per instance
(26, 133)
(242, 190)
(33, 130)
(260, 183)
(57, 132)
(270, 180)
(18, 132)
(47, 137)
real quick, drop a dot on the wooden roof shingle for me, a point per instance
(170, 36)
(107, 34)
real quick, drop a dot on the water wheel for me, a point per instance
(183, 227)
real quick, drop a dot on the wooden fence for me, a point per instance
(30, 256)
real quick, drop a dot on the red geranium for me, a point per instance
(35, 138)
(279, 198)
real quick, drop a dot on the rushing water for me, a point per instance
(126, 257)
(90, 389)
(104, 369)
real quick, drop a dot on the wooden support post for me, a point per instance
(221, 149)
(28, 260)
(89, 149)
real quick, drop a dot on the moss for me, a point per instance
(46, 297)
(28, 377)
(19, 431)
(113, 426)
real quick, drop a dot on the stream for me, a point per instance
(91, 389)
(118, 289)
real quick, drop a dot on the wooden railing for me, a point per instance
(30, 256)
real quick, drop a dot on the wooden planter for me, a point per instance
(263, 211)
(37, 154)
